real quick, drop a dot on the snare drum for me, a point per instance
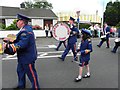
(117, 41)
(103, 38)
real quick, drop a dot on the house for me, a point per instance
(39, 16)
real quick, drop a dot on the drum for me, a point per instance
(61, 31)
(103, 38)
(9, 40)
(117, 41)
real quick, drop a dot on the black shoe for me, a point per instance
(77, 79)
(86, 76)
(56, 49)
(76, 59)
(61, 58)
(18, 88)
(107, 47)
(113, 51)
(98, 46)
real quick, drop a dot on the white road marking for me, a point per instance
(42, 54)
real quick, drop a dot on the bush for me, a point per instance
(12, 27)
(2, 26)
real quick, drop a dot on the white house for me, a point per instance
(39, 16)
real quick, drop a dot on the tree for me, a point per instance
(38, 4)
(28, 4)
(112, 13)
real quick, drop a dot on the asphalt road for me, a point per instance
(54, 73)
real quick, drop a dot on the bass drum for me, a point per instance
(61, 31)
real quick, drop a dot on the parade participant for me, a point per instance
(107, 33)
(25, 47)
(85, 50)
(117, 43)
(71, 44)
(60, 43)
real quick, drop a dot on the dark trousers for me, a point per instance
(72, 47)
(115, 48)
(29, 69)
(107, 42)
(46, 33)
(60, 43)
(51, 33)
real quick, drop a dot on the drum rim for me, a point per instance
(66, 28)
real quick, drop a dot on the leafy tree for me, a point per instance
(28, 4)
(112, 13)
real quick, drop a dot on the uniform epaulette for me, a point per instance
(89, 40)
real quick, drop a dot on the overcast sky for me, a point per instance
(85, 6)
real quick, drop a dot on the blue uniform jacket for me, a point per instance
(85, 45)
(73, 37)
(107, 30)
(26, 47)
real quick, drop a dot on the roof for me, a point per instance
(10, 12)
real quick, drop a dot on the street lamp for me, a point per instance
(102, 15)
(78, 20)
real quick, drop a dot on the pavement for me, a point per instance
(54, 73)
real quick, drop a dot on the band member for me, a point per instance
(25, 47)
(85, 50)
(60, 43)
(117, 43)
(107, 33)
(71, 44)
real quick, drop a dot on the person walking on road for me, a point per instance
(85, 50)
(26, 50)
(71, 40)
(107, 33)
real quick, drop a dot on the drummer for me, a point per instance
(107, 33)
(116, 45)
(71, 44)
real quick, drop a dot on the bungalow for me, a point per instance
(39, 16)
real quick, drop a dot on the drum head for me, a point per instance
(61, 31)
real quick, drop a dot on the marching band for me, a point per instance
(24, 45)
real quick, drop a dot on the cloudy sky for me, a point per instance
(85, 6)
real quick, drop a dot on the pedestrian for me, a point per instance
(107, 33)
(85, 50)
(51, 28)
(46, 30)
(117, 43)
(26, 50)
(71, 44)
(60, 43)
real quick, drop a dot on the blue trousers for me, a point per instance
(107, 41)
(29, 70)
(115, 48)
(72, 47)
